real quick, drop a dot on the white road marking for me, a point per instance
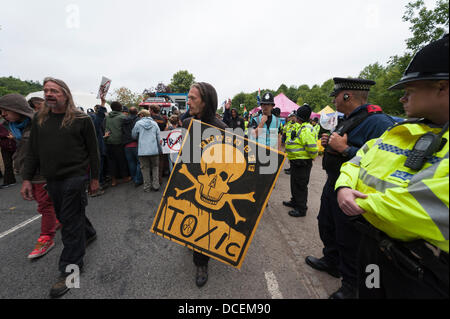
(272, 285)
(4, 234)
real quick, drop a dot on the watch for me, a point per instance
(346, 152)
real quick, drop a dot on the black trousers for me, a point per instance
(70, 200)
(340, 238)
(394, 283)
(300, 174)
(200, 259)
(8, 177)
(117, 161)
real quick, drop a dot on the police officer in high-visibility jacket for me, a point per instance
(265, 128)
(399, 183)
(301, 148)
(287, 130)
(362, 122)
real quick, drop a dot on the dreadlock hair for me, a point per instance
(209, 97)
(72, 112)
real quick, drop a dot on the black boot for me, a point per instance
(202, 276)
(322, 265)
(345, 292)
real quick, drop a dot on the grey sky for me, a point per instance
(236, 45)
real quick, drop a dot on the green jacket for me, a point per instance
(114, 125)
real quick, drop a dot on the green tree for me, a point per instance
(181, 82)
(15, 85)
(127, 98)
(427, 24)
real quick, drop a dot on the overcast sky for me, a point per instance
(236, 45)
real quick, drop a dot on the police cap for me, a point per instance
(430, 63)
(267, 98)
(341, 84)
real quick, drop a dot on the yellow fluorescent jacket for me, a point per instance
(304, 143)
(405, 204)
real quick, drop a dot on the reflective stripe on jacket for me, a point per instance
(304, 144)
(405, 204)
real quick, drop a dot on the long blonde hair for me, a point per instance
(71, 111)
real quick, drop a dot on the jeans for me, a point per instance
(70, 200)
(131, 153)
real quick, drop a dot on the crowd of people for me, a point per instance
(385, 201)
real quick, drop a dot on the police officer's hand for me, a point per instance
(337, 142)
(347, 201)
(324, 139)
(264, 119)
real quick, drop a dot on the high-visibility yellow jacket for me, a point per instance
(288, 127)
(303, 145)
(403, 203)
(317, 130)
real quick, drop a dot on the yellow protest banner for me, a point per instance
(217, 192)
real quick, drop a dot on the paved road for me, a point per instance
(127, 261)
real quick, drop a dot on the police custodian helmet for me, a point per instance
(430, 63)
(267, 98)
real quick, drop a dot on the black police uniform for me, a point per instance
(336, 230)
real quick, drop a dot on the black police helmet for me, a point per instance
(267, 98)
(304, 112)
(430, 63)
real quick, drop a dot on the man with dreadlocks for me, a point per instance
(63, 145)
(202, 101)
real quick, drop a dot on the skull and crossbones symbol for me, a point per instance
(221, 164)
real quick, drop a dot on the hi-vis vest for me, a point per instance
(405, 204)
(317, 130)
(303, 145)
(269, 136)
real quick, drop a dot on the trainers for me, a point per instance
(60, 287)
(43, 246)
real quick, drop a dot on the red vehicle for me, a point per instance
(166, 105)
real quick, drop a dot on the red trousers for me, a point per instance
(46, 209)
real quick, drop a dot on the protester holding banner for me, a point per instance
(202, 102)
(146, 131)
